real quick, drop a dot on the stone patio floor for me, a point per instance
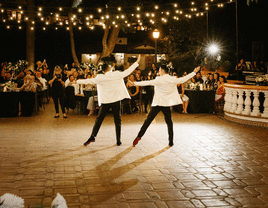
(214, 162)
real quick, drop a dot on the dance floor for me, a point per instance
(214, 163)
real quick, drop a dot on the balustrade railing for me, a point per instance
(247, 101)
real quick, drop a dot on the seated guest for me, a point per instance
(29, 84)
(210, 80)
(78, 91)
(216, 80)
(255, 67)
(220, 92)
(133, 92)
(27, 97)
(198, 78)
(19, 79)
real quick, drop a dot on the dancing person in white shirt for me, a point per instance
(111, 90)
(166, 95)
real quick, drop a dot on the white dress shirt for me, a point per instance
(110, 86)
(44, 83)
(165, 89)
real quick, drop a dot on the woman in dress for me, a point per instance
(220, 92)
(216, 80)
(57, 91)
(133, 92)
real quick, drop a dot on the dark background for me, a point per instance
(54, 46)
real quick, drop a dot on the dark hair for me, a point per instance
(164, 67)
(105, 67)
(218, 75)
(224, 79)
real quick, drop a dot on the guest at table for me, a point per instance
(216, 77)
(3, 72)
(19, 79)
(27, 97)
(29, 84)
(198, 78)
(255, 67)
(133, 92)
(220, 92)
(210, 81)
(57, 91)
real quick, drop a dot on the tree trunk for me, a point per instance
(112, 40)
(30, 35)
(107, 48)
(71, 32)
(104, 43)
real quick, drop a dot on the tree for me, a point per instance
(185, 42)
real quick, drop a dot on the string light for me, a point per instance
(15, 14)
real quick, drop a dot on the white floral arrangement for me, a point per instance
(262, 79)
(19, 66)
(195, 86)
(13, 201)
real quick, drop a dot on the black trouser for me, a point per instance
(56, 103)
(152, 114)
(116, 109)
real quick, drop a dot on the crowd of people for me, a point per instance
(61, 85)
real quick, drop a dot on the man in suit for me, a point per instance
(111, 90)
(166, 95)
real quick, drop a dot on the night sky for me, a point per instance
(54, 46)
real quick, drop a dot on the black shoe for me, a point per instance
(57, 116)
(170, 144)
(91, 139)
(135, 142)
(118, 143)
(65, 117)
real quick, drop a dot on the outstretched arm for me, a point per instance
(144, 83)
(187, 77)
(87, 81)
(131, 68)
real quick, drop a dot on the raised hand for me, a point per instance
(139, 59)
(197, 69)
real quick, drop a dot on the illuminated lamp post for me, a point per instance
(156, 34)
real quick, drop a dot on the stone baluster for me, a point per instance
(240, 102)
(234, 100)
(247, 109)
(227, 98)
(256, 104)
(265, 105)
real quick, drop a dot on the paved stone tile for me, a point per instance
(214, 163)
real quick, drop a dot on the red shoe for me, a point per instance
(89, 141)
(135, 142)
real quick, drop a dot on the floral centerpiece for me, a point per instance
(17, 67)
(262, 80)
(196, 86)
